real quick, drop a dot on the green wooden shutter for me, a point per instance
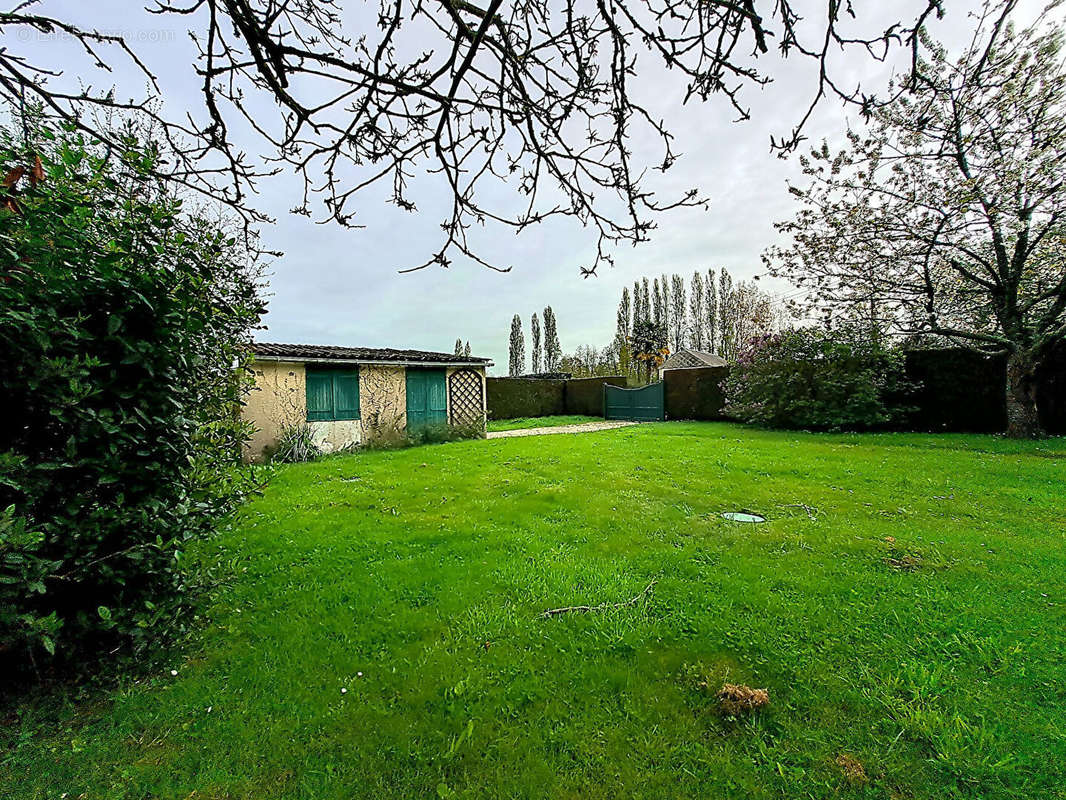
(436, 400)
(319, 395)
(346, 395)
(416, 399)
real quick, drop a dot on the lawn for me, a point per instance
(539, 422)
(382, 637)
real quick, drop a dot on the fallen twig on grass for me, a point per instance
(812, 513)
(632, 601)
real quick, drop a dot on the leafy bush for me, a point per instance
(122, 319)
(816, 379)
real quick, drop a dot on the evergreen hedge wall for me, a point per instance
(961, 390)
(508, 398)
(585, 395)
(695, 393)
(957, 390)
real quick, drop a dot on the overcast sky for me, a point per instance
(342, 287)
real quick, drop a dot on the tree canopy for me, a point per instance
(535, 94)
(945, 215)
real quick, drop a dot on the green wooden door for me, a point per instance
(427, 402)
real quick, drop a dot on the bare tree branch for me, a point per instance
(534, 96)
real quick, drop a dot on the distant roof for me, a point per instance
(692, 359)
(360, 355)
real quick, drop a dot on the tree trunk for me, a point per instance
(1023, 422)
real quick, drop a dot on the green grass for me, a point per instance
(427, 570)
(539, 422)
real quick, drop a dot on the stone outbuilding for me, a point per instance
(347, 396)
(692, 359)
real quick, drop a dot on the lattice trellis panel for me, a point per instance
(464, 397)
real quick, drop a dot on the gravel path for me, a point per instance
(584, 427)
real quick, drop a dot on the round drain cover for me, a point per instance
(742, 516)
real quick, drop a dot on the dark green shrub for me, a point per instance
(816, 379)
(123, 324)
(441, 432)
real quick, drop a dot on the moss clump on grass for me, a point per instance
(853, 770)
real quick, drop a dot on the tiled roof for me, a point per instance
(323, 352)
(688, 359)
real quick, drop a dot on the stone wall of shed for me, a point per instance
(383, 403)
(278, 400)
(331, 435)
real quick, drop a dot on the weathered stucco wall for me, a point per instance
(333, 435)
(278, 400)
(383, 402)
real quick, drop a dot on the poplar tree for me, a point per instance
(624, 318)
(696, 312)
(711, 310)
(726, 311)
(623, 327)
(517, 349)
(534, 333)
(552, 351)
(677, 311)
(664, 292)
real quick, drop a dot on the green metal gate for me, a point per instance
(427, 402)
(645, 404)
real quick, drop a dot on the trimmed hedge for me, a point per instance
(957, 390)
(508, 398)
(1051, 390)
(585, 395)
(695, 393)
(962, 390)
